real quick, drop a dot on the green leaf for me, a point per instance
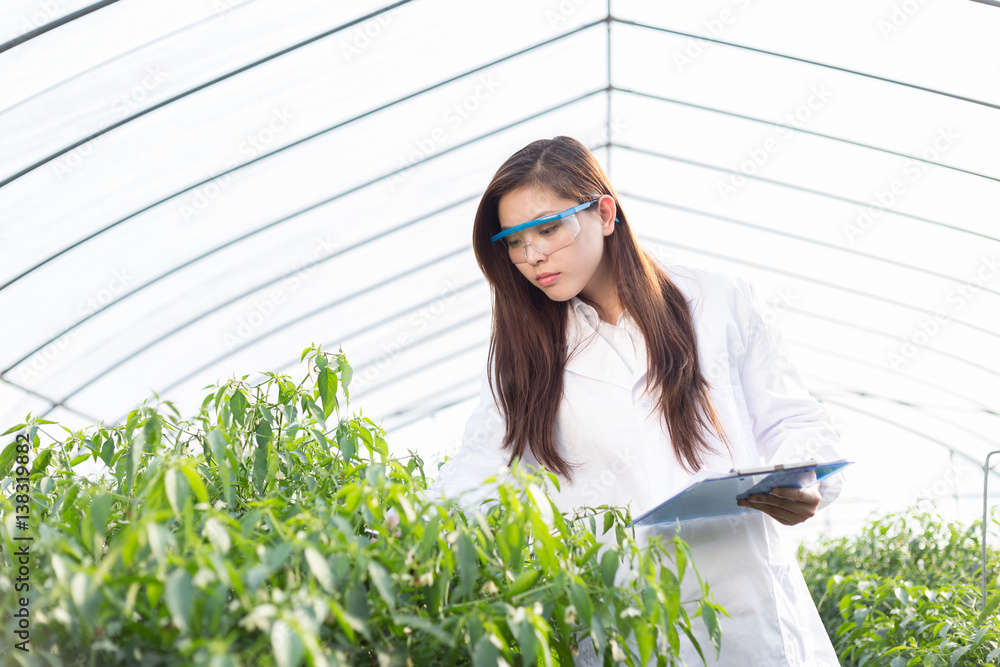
(7, 458)
(260, 465)
(609, 567)
(17, 427)
(348, 446)
(581, 600)
(620, 535)
(219, 446)
(954, 657)
(176, 488)
(991, 606)
(644, 639)
(218, 535)
(99, 512)
(135, 449)
(712, 624)
(346, 373)
(609, 520)
(486, 653)
(357, 607)
(68, 511)
(468, 566)
(327, 385)
(263, 432)
(152, 431)
(315, 411)
(194, 481)
(523, 582)
(274, 557)
(41, 461)
(380, 578)
(528, 643)
(671, 592)
(286, 645)
(320, 569)
(180, 599)
(108, 451)
(421, 623)
(681, 555)
(238, 405)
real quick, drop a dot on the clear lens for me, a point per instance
(546, 238)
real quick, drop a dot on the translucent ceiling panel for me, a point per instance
(20, 18)
(179, 325)
(131, 57)
(16, 404)
(334, 163)
(789, 100)
(274, 192)
(941, 46)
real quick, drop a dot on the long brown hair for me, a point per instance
(528, 340)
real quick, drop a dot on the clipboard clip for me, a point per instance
(773, 468)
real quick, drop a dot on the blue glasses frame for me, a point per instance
(548, 218)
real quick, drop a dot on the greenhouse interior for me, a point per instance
(202, 192)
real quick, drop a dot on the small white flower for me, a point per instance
(630, 612)
(571, 617)
(616, 652)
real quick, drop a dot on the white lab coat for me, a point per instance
(608, 423)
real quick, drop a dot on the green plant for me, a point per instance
(241, 538)
(906, 591)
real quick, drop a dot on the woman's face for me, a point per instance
(580, 267)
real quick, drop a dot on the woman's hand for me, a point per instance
(787, 505)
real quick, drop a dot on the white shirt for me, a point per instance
(624, 336)
(607, 423)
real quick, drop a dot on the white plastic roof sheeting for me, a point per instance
(192, 190)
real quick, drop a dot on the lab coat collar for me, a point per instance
(596, 358)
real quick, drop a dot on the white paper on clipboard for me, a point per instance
(714, 494)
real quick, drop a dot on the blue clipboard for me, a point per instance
(717, 496)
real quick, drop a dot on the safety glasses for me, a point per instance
(547, 235)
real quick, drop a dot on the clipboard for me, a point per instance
(716, 495)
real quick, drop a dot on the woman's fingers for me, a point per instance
(787, 505)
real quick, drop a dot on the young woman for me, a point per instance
(626, 377)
